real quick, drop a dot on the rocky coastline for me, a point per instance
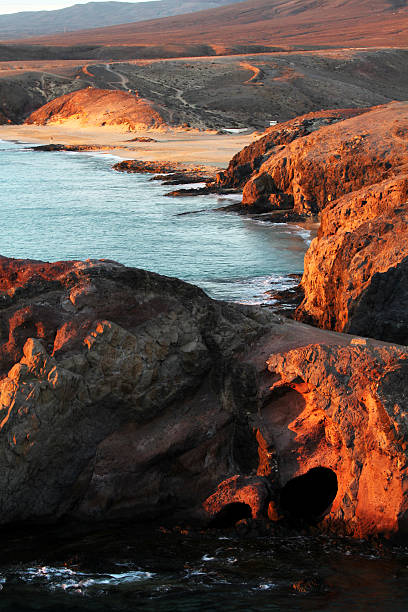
(126, 395)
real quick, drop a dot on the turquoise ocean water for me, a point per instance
(56, 206)
(60, 206)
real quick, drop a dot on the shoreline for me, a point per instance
(257, 284)
(204, 149)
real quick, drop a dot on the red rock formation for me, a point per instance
(101, 107)
(332, 439)
(319, 168)
(125, 394)
(342, 408)
(249, 160)
(356, 270)
(353, 172)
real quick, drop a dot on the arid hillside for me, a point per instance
(95, 15)
(101, 107)
(333, 23)
(220, 92)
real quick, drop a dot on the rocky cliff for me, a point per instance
(248, 161)
(351, 172)
(333, 160)
(356, 270)
(101, 107)
(125, 394)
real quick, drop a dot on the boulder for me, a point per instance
(112, 391)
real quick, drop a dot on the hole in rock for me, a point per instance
(309, 497)
(230, 514)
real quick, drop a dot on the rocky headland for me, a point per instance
(128, 395)
(100, 108)
(347, 169)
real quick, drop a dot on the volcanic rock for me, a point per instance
(342, 408)
(128, 395)
(181, 171)
(249, 160)
(356, 270)
(111, 398)
(101, 107)
(334, 160)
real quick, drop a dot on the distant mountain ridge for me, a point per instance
(290, 23)
(96, 15)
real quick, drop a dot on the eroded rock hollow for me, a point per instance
(128, 395)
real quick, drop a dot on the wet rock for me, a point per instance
(166, 170)
(179, 193)
(314, 584)
(238, 497)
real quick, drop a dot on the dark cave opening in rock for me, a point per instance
(230, 514)
(309, 497)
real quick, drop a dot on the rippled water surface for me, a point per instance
(165, 571)
(57, 206)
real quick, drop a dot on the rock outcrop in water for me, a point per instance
(248, 161)
(125, 394)
(101, 107)
(351, 171)
(318, 168)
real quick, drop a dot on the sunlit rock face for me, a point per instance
(344, 408)
(246, 163)
(333, 160)
(129, 395)
(351, 173)
(332, 433)
(111, 397)
(356, 270)
(99, 108)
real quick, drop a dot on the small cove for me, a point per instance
(57, 206)
(74, 206)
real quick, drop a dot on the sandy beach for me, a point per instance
(198, 148)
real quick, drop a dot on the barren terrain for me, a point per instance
(238, 91)
(332, 23)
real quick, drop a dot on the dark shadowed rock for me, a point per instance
(129, 395)
(112, 391)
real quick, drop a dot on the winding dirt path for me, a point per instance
(124, 81)
(256, 76)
